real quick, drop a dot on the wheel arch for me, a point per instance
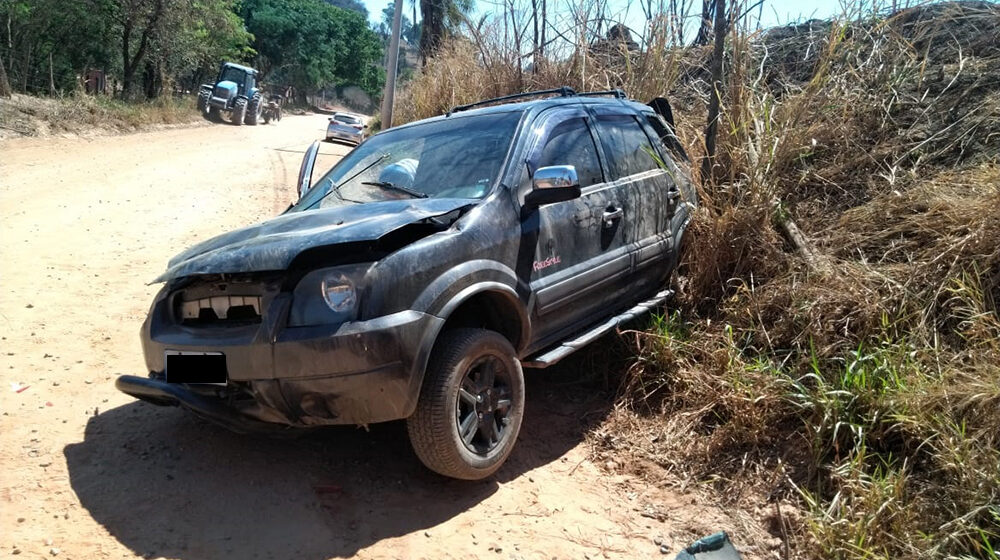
(491, 305)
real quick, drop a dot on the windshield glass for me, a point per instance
(233, 75)
(458, 157)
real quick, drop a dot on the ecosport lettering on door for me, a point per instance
(539, 265)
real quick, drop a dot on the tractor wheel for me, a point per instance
(203, 106)
(239, 111)
(253, 114)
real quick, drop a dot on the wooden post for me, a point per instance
(390, 75)
(52, 81)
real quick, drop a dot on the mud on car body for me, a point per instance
(417, 276)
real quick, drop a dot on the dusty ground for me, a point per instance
(87, 472)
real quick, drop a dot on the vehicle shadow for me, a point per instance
(165, 483)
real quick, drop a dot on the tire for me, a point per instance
(253, 110)
(203, 106)
(458, 391)
(267, 117)
(239, 111)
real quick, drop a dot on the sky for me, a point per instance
(775, 12)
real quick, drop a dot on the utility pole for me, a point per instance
(393, 63)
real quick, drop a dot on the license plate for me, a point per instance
(195, 367)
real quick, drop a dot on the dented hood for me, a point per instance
(272, 245)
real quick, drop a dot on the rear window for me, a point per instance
(628, 147)
(347, 119)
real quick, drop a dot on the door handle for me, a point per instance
(612, 214)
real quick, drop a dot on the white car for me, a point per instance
(346, 127)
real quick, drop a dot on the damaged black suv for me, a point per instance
(417, 276)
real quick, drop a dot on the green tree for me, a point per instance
(309, 45)
(46, 44)
(355, 5)
(440, 17)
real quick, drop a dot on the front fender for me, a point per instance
(441, 296)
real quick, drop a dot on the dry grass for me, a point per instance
(866, 392)
(25, 115)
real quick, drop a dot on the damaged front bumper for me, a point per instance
(360, 372)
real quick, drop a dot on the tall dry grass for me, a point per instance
(861, 386)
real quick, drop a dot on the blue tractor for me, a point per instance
(234, 92)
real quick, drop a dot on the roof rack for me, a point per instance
(616, 93)
(564, 91)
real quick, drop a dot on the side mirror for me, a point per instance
(306, 171)
(551, 184)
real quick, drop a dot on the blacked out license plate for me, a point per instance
(196, 367)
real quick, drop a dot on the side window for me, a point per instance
(627, 146)
(570, 143)
(667, 136)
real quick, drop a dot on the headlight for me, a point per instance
(339, 293)
(328, 296)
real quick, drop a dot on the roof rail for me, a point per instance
(616, 93)
(564, 91)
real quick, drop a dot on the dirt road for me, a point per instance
(87, 472)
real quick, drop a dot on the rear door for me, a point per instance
(633, 163)
(582, 260)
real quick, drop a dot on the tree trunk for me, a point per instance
(534, 39)
(541, 45)
(715, 102)
(705, 29)
(27, 70)
(4, 84)
(431, 28)
(131, 64)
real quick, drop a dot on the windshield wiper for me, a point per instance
(391, 187)
(335, 189)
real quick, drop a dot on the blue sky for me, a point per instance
(775, 11)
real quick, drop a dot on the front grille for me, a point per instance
(221, 309)
(220, 302)
(222, 92)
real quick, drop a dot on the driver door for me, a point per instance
(582, 258)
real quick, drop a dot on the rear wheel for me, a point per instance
(471, 405)
(239, 111)
(254, 109)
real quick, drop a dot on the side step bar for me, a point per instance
(560, 351)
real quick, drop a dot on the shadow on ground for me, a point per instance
(164, 483)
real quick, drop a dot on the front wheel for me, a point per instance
(239, 111)
(471, 405)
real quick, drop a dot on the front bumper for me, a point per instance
(359, 372)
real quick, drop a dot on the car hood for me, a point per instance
(272, 245)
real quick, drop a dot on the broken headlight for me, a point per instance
(328, 296)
